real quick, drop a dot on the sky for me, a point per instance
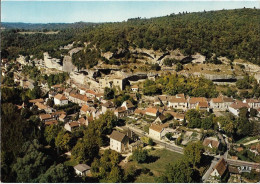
(105, 11)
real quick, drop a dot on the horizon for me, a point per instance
(68, 12)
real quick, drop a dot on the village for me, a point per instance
(147, 120)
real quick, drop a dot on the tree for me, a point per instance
(50, 133)
(193, 153)
(57, 174)
(63, 139)
(192, 114)
(109, 93)
(32, 164)
(179, 67)
(50, 102)
(140, 155)
(207, 123)
(180, 172)
(115, 175)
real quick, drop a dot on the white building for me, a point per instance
(82, 169)
(119, 141)
(236, 106)
(60, 99)
(157, 131)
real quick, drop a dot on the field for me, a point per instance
(160, 158)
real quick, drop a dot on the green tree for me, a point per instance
(179, 67)
(193, 153)
(63, 139)
(109, 93)
(140, 155)
(57, 174)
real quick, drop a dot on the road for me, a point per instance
(180, 150)
(205, 177)
(159, 142)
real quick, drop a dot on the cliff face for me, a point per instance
(67, 64)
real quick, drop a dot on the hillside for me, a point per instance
(229, 33)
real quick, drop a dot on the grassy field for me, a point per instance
(246, 139)
(161, 158)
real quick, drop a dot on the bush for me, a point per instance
(140, 155)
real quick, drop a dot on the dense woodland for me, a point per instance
(230, 33)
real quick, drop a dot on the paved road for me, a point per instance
(205, 177)
(161, 143)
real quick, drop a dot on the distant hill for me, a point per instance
(47, 26)
(229, 33)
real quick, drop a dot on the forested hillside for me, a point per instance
(230, 33)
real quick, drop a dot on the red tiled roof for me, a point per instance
(151, 110)
(60, 97)
(203, 104)
(91, 92)
(120, 109)
(239, 105)
(217, 100)
(52, 122)
(195, 100)
(213, 142)
(84, 108)
(178, 100)
(139, 111)
(36, 100)
(221, 166)
(40, 105)
(45, 116)
(157, 128)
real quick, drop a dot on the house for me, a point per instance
(235, 107)
(84, 109)
(157, 101)
(220, 169)
(43, 107)
(211, 142)
(139, 112)
(63, 118)
(82, 91)
(194, 102)
(135, 88)
(71, 125)
(119, 141)
(253, 103)
(217, 104)
(90, 93)
(176, 116)
(178, 102)
(40, 100)
(203, 106)
(108, 106)
(99, 96)
(52, 94)
(151, 111)
(113, 81)
(46, 117)
(160, 119)
(82, 169)
(83, 121)
(129, 106)
(121, 112)
(157, 131)
(164, 99)
(60, 99)
(52, 122)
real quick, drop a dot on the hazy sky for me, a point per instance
(105, 11)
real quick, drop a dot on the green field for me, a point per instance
(162, 158)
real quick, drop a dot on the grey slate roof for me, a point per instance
(82, 167)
